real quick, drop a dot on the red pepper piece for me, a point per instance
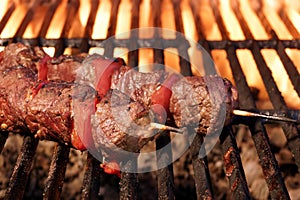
(43, 68)
(104, 70)
(160, 100)
(111, 168)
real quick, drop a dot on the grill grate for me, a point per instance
(165, 176)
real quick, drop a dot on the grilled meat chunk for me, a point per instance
(203, 103)
(78, 99)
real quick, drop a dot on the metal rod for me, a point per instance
(3, 138)
(233, 165)
(200, 165)
(57, 171)
(20, 175)
(91, 181)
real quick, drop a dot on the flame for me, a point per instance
(80, 20)
(145, 60)
(102, 20)
(49, 50)
(124, 20)
(232, 24)
(188, 21)
(172, 59)
(14, 21)
(122, 53)
(4, 4)
(281, 78)
(253, 22)
(145, 14)
(167, 18)
(270, 10)
(292, 8)
(58, 21)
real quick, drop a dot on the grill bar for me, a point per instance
(232, 161)
(200, 166)
(290, 67)
(292, 29)
(26, 20)
(72, 9)
(3, 138)
(165, 177)
(129, 181)
(20, 175)
(57, 171)
(48, 17)
(84, 46)
(233, 165)
(185, 66)
(91, 181)
(7, 15)
(268, 162)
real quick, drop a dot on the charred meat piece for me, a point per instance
(65, 98)
(120, 124)
(27, 104)
(203, 103)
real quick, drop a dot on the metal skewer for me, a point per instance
(253, 114)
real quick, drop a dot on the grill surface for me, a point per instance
(165, 178)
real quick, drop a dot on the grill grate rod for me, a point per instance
(3, 138)
(20, 175)
(201, 171)
(270, 166)
(165, 176)
(7, 15)
(84, 46)
(288, 64)
(55, 179)
(91, 180)
(267, 159)
(233, 165)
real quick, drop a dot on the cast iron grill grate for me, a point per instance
(165, 178)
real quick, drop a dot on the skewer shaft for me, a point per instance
(272, 117)
(165, 127)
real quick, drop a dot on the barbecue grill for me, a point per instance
(38, 16)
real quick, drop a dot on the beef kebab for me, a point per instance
(108, 104)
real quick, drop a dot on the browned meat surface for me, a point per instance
(31, 105)
(39, 94)
(203, 103)
(120, 122)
